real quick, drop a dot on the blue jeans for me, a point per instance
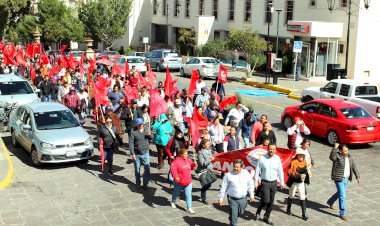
(145, 161)
(246, 142)
(341, 187)
(234, 64)
(108, 155)
(187, 189)
(46, 98)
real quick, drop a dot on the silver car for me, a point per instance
(207, 67)
(50, 132)
(15, 89)
(160, 59)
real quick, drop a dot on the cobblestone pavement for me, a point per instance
(79, 194)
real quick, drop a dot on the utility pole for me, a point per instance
(270, 8)
(167, 24)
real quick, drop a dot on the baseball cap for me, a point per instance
(133, 101)
(108, 108)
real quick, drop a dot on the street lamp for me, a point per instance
(278, 22)
(270, 7)
(331, 4)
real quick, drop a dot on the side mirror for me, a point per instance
(322, 89)
(38, 91)
(26, 127)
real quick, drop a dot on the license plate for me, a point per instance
(370, 128)
(71, 154)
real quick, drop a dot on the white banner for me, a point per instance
(204, 28)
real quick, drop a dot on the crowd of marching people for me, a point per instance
(134, 112)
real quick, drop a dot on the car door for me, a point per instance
(329, 90)
(307, 112)
(343, 92)
(196, 65)
(324, 119)
(16, 123)
(153, 59)
(186, 67)
(27, 134)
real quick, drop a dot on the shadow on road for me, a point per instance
(195, 221)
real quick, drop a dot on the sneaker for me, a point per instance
(173, 205)
(191, 211)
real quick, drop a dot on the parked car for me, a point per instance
(363, 93)
(138, 54)
(110, 55)
(138, 62)
(206, 66)
(52, 52)
(339, 121)
(16, 90)
(50, 132)
(76, 54)
(162, 58)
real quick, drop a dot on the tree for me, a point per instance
(59, 22)
(23, 31)
(105, 20)
(187, 39)
(11, 11)
(213, 48)
(248, 42)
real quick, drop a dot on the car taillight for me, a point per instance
(352, 129)
(162, 60)
(378, 109)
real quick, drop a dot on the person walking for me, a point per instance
(237, 184)
(246, 127)
(163, 130)
(266, 133)
(342, 170)
(111, 141)
(297, 133)
(204, 163)
(139, 148)
(221, 91)
(298, 177)
(231, 141)
(235, 115)
(176, 143)
(72, 101)
(269, 168)
(235, 59)
(216, 132)
(46, 88)
(258, 127)
(181, 173)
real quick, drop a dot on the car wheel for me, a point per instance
(287, 122)
(332, 137)
(158, 68)
(307, 99)
(14, 139)
(182, 72)
(34, 157)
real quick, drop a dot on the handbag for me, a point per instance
(207, 177)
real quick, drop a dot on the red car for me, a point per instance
(338, 121)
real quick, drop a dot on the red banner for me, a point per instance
(250, 156)
(222, 76)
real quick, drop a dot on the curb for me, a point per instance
(8, 179)
(280, 89)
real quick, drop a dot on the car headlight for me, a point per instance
(88, 141)
(47, 145)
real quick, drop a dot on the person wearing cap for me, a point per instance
(298, 177)
(72, 101)
(201, 99)
(129, 114)
(139, 148)
(111, 141)
(177, 113)
(297, 133)
(163, 134)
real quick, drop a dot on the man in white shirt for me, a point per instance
(235, 115)
(269, 168)
(297, 133)
(177, 113)
(237, 184)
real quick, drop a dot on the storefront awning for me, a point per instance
(316, 29)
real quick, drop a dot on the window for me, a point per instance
(268, 13)
(289, 10)
(176, 8)
(343, 3)
(327, 111)
(366, 90)
(164, 5)
(215, 8)
(247, 10)
(313, 3)
(216, 34)
(341, 48)
(344, 90)
(155, 7)
(15, 88)
(201, 7)
(310, 107)
(231, 10)
(187, 8)
(355, 113)
(330, 87)
(20, 112)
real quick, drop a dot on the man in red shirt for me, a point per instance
(72, 101)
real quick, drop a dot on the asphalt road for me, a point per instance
(80, 194)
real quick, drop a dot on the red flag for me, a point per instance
(2, 46)
(20, 57)
(228, 101)
(130, 92)
(157, 104)
(8, 59)
(101, 93)
(32, 73)
(193, 82)
(44, 58)
(63, 61)
(144, 81)
(10, 49)
(168, 85)
(126, 68)
(101, 150)
(62, 49)
(37, 48)
(222, 76)
(197, 122)
(113, 71)
(151, 76)
(82, 58)
(54, 70)
(250, 156)
(71, 62)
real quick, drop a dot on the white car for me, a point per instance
(365, 94)
(138, 62)
(207, 67)
(138, 54)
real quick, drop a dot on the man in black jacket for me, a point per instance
(139, 148)
(266, 133)
(342, 170)
(129, 114)
(46, 88)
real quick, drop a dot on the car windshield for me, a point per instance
(140, 54)
(354, 113)
(210, 61)
(76, 54)
(15, 88)
(55, 120)
(171, 54)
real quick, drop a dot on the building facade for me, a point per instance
(323, 32)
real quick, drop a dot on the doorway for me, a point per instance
(305, 60)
